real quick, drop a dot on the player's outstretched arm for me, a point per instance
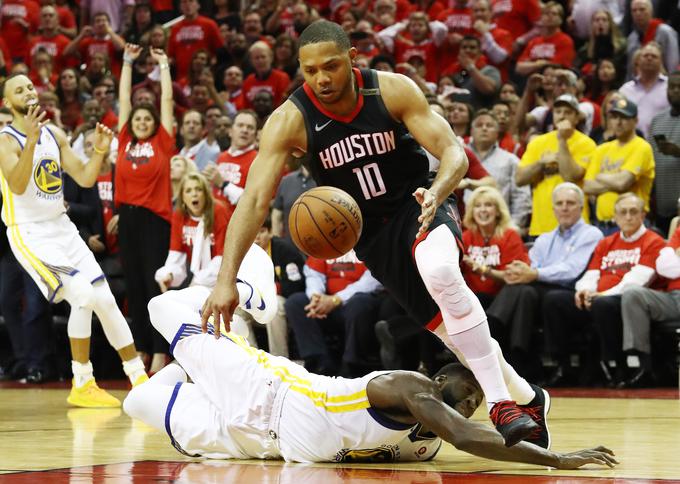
(282, 134)
(86, 174)
(413, 394)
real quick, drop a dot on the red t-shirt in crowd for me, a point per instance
(614, 257)
(105, 187)
(516, 16)
(495, 253)
(183, 231)
(162, 5)
(17, 37)
(404, 49)
(459, 21)
(340, 272)
(234, 168)
(276, 82)
(188, 36)
(143, 172)
(66, 18)
(674, 243)
(509, 144)
(558, 49)
(92, 45)
(110, 120)
(53, 45)
(6, 54)
(476, 171)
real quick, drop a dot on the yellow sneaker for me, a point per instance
(142, 379)
(91, 396)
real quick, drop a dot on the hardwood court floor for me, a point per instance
(38, 432)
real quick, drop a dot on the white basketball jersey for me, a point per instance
(43, 198)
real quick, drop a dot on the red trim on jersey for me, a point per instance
(434, 324)
(343, 119)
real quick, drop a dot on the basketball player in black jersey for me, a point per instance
(363, 132)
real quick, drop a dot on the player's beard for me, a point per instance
(23, 110)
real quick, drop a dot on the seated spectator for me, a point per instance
(557, 259)
(285, 54)
(253, 28)
(539, 92)
(605, 41)
(222, 131)
(179, 167)
(232, 95)
(605, 131)
(291, 187)
(460, 116)
(50, 103)
(196, 146)
(340, 295)
(583, 11)
(648, 88)
(621, 260)
(50, 39)
(552, 46)
(625, 164)
(263, 105)
(71, 98)
(552, 158)
(665, 140)
(265, 76)
(102, 94)
(200, 59)
(648, 29)
(491, 242)
(496, 41)
(603, 81)
(229, 172)
(504, 115)
(99, 37)
(502, 166)
(641, 305)
(197, 232)
(472, 72)
(288, 264)
(194, 32)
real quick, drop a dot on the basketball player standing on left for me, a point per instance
(47, 244)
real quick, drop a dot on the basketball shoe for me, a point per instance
(91, 396)
(141, 379)
(511, 422)
(538, 409)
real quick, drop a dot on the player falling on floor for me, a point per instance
(48, 245)
(362, 131)
(245, 403)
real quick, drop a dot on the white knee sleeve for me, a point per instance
(78, 291)
(79, 323)
(113, 322)
(437, 261)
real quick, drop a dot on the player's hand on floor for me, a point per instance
(599, 455)
(221, 305)
(427, 202)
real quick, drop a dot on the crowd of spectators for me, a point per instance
(568, 110)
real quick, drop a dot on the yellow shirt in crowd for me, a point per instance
(581, 148)
(612, 157)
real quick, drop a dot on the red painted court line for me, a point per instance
(233, 472)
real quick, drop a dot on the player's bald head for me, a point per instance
(12, 82)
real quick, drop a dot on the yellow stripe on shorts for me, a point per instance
(335, 404)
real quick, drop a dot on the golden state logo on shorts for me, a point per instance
(384, 453)
(47, 176)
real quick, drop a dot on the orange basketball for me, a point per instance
(325, 222)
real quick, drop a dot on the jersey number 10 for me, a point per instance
(370, 180)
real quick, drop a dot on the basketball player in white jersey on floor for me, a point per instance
(46, 243)
(245, 403)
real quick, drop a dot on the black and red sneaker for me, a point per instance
(538, 409)
(511, 422)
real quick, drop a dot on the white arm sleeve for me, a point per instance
(589, 281)
(233, 193)
(208, 275)
(638, 275)
(175, 265)
(668, 263)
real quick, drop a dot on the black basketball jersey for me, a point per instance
(367, 153)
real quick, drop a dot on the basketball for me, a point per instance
(325, 222)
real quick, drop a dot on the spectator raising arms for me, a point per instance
(143, 197)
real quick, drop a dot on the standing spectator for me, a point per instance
(552, 46)
(502, 166)
(458, 20)
(196, 147)
(503, 114)
(19, 20)
(557, 259)
(265, 76)
(496, 42)
(229, 172)
(665, 139)
(119, 12)
(143, 197)
(252, 28)
(71, 98)
(648, 29)
(288, 264)
(285, 55)
(231, 96)
(605, 42)
(291, 187)
(583, 12)
(141, 25)
(66, 18)
(625, 164)
(624, 259)
(603, 81)
(197, 232)
(552, 158)
(640, 306)
(648, 89)
(263, 105)
(491, 242)
(99, 38)
(519, 17)
(50, 39)
(460, 116)
(340, 295)
(193, 33)
(222, 131)
(101, 93)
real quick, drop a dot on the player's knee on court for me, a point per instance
(155, 308)
(133, 403)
